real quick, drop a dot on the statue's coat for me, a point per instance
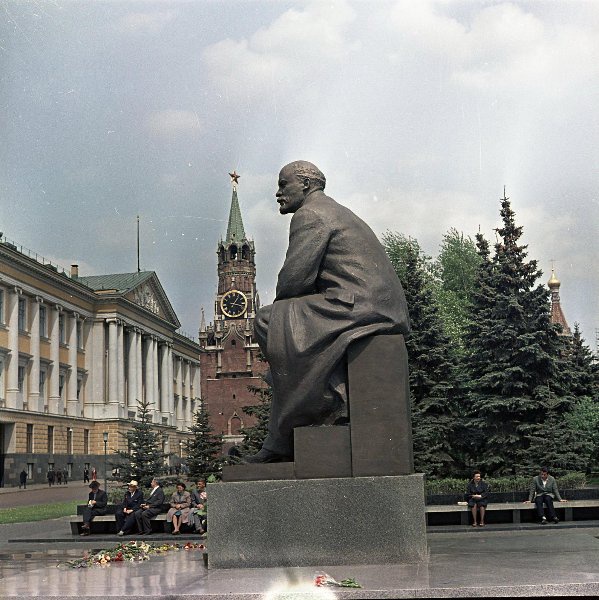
(337, 285)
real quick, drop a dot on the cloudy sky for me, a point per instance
(418, 112)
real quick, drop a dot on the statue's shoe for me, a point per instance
(266, 456)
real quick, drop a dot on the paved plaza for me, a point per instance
(464, 562)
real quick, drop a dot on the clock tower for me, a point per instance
(229, 355)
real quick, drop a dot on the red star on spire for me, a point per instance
(234, 177)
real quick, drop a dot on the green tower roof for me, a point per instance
(235, 231)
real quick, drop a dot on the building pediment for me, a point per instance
(150, 295)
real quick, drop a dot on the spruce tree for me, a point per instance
(204, 449)
(254, 436)
(574, 414)
(144, 458)
(511, 356)
(431, 359)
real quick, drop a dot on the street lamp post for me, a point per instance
(105, 436)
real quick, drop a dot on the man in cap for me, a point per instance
(96, 505)
(125, 512)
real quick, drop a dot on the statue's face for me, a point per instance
(290, 194)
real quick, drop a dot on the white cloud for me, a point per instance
(288, 54)
(146, 22)
(172, 123)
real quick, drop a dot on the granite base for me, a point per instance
(317, 521)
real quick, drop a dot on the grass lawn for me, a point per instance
(39, 512)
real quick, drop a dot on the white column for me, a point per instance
(149, 382)
(120, 366)
(139, 363)
(187, 373)
(113, 381)
(132, 370)
(72, 402)
(12, 381)
(171, 389)
(34, 401)
(180, 392)
(54, 400)
(156, 367)
(164, 403)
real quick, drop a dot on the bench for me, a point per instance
(510, 512)
(107, 523)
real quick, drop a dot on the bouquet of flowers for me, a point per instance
(202, 509)
(129, 552)
(322, 579)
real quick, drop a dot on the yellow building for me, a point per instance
(76, 355)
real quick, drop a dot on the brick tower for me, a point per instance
(229, 356)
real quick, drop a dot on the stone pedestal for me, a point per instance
(312, 522)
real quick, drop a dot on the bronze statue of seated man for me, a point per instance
(336, 286)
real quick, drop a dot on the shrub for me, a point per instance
(520, 483)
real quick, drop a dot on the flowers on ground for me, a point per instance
(129, 552)
(322, 579)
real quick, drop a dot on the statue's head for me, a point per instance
(296, 181)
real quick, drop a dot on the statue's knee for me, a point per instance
(261, 320)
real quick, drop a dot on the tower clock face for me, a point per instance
(233, 304)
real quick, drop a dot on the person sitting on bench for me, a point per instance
(150, 508)
(543, 489)
(477, 495)
(96, 505)
(125, 513)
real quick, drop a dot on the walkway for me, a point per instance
(490, 562)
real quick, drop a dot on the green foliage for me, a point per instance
(431, 358)
(144, 458)
(511, 360)
(204, 449)
(456, 268)
(254, 436)
(519, 483)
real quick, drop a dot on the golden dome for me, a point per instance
(554, 281)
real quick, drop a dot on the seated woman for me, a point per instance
(199, 501)
(180, 506)
(477, 495)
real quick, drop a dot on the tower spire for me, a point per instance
(235, 230)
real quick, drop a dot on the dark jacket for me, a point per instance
(337, 285)
(156, 500)
(101, 498)
(132, 500)
(474, 489)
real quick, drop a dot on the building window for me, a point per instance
(61, 385)
(43, 321)
(29, 439)
(30, 472)
(21, 378)
(61, 331)
(22, 314)
(86, 442)
(42, 383)
(80, 335)
(69, 440)
(50, 439)
(79, 386)
(1, 306)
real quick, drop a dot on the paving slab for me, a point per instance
(491, 563)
